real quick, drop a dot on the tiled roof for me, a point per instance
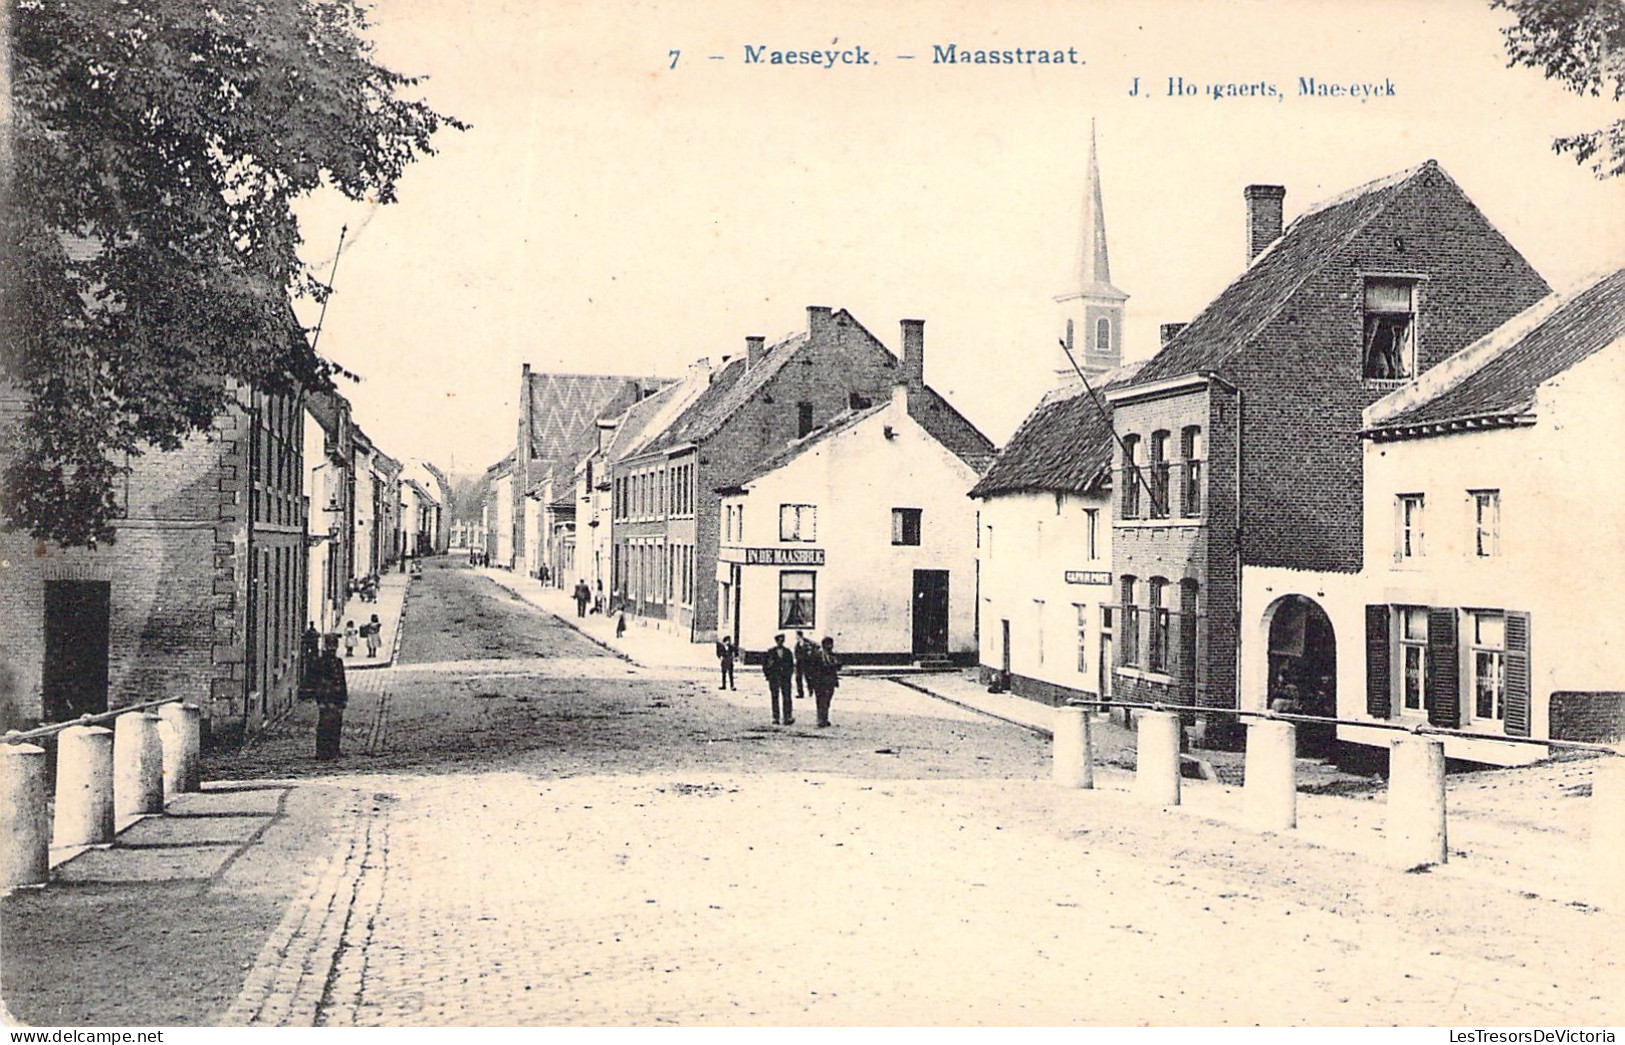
(1253, 299)
(1065, 444)
(1500, 374)
(562, 406)
(730, 388)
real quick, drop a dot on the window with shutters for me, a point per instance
(1413, 659)
(1486, 653)
(1408, 527)
(1486, 523)
(1389, 347)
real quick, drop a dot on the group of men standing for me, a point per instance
(808, 664)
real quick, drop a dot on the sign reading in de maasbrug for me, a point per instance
(1088, 576)
(774, 556)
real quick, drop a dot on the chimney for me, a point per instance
(899, 395)
(1263, 216)
(914, 352)
(818, 320)
(606, 432)
(1171, 331)
(755, 349)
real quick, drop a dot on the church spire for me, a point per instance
(1094, 266)
(1093, 308)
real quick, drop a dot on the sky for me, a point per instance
(608, 213)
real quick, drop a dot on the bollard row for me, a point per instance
(1416, 828)
(103, 777)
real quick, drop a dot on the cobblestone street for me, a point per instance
(541, 833)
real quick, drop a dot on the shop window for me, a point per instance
(1083, 636)
(1390, 330)
(905, 527)
(797, 598)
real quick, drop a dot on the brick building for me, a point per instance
(665, 530)
(1240, 451)
(201, 595)
(1492, 537)
(861, 532)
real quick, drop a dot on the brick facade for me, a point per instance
(1595, 717)
(177, 579)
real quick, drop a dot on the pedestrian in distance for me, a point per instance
(803, 654)
(726, 654)
(372, 629)
(824, 676)
(310, 647)
(350, 634)
(331, 694)
(582, 594)
(620, 625)
(779, 665)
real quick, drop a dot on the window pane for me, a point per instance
(1490, 630)
(796, 599)
(1386, 296)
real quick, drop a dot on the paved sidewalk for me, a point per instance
(390, 607)
(160, 928)
(644, 644)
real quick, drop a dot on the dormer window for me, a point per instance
(1389, 351)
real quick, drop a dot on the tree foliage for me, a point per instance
(1580, 44)
(151, 248)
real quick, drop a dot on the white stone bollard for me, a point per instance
(1270, 787)
(25, 821)
(180, 727)
(1156, 758)
(1416, 811)
(138, 765)
(1074, 755)
(1608, 832)
(84, 786)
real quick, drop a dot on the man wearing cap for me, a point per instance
(823, 675)
(331, 693)
(779, 665)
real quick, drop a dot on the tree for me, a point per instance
(150, 241)
(1581, 44)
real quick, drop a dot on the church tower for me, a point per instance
(1093, 310)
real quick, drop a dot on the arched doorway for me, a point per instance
(1303, 662)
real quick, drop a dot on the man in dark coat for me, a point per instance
(583, 594)
(805, 648)
(823, 675)
(331, 693)
(779, 665)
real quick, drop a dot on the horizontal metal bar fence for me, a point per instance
(1421, 729)
(14, 737)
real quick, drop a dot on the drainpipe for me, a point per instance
(250, 604)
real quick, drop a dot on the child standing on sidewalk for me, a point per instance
(349, 638)
(371, 630)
